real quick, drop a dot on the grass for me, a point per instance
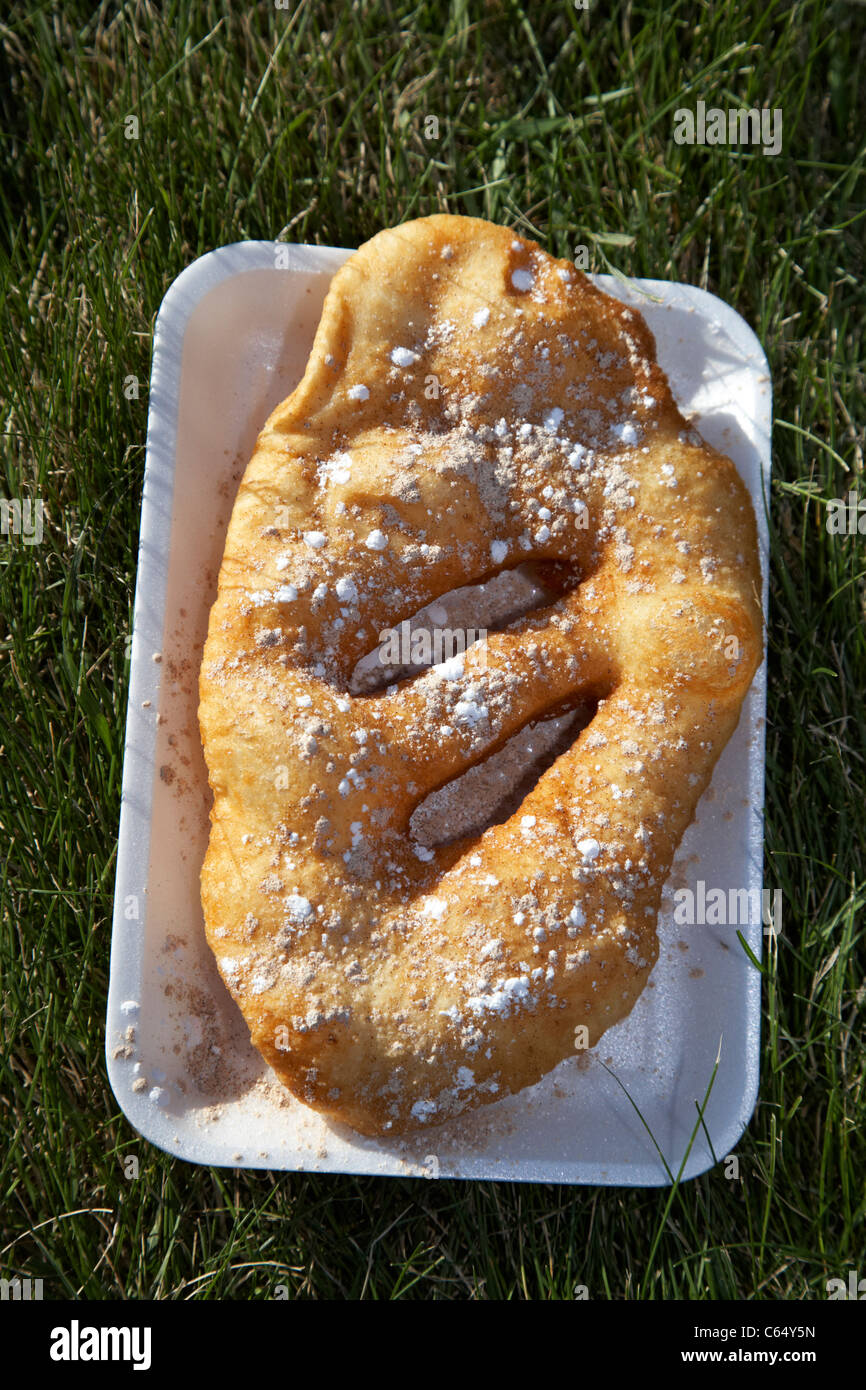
(310, 125)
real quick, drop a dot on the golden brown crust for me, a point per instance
(470, 403)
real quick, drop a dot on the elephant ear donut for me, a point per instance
(470, 404)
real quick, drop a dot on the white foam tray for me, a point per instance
(232, 339)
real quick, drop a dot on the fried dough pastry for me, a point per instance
(470, 403)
